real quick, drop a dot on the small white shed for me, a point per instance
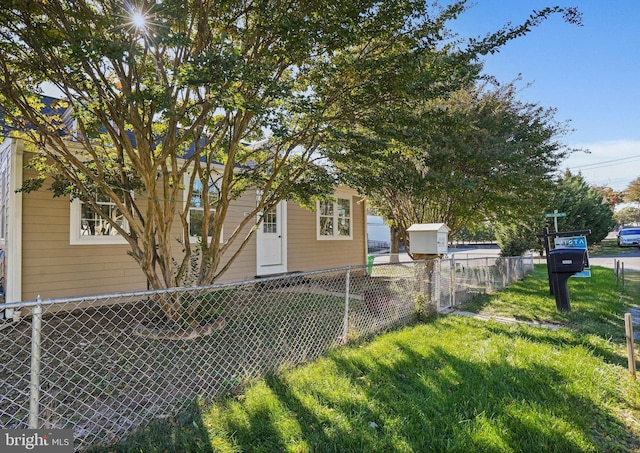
(428, 238)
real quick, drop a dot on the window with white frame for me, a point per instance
(334, 218)
(89, 226)
(196, 209)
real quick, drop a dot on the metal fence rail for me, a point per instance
(105, 365)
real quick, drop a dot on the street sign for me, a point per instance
(555, 214)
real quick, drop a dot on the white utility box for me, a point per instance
(428, 238)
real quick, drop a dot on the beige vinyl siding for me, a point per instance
(52, 268)
(307, 253)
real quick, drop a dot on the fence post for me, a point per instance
(631, 359)
(503, 274)
(437, 276)
(453, 282)
(622, 276)
(486, 275)
(345, 323)
(36, 350)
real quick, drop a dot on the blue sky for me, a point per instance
(591, 74)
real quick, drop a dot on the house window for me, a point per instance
(334, 219)
(90, 227)
(196, 209)
(270, 221)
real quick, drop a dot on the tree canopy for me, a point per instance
(164, 94)
(632, 192)
(167, 94)
(627, 216)
(609, 196)
(584, 206)
(478, 154)
(585, 209)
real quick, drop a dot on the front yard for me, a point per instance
(450, 384)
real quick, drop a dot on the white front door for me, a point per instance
(272, 241)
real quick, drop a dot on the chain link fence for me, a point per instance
(105, 365)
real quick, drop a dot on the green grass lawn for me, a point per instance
(597, 303)
(609, 247)
(450, 384)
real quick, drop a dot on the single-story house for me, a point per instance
(47, 249)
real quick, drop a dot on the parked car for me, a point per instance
(629, 237)
(624, 227)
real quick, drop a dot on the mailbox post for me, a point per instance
(563, 263)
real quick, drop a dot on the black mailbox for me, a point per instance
(569, 261)
(563, 263)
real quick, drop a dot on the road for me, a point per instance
(630, 257)
(630, 260)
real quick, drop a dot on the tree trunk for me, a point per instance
(394, 249)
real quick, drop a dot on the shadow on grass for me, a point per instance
(477, 406)
(317, 431)
(430, 397)
(257, 432)
(410, 396)
(564, 339)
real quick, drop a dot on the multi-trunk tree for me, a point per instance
(166, 95)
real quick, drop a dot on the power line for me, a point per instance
(605, 163)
